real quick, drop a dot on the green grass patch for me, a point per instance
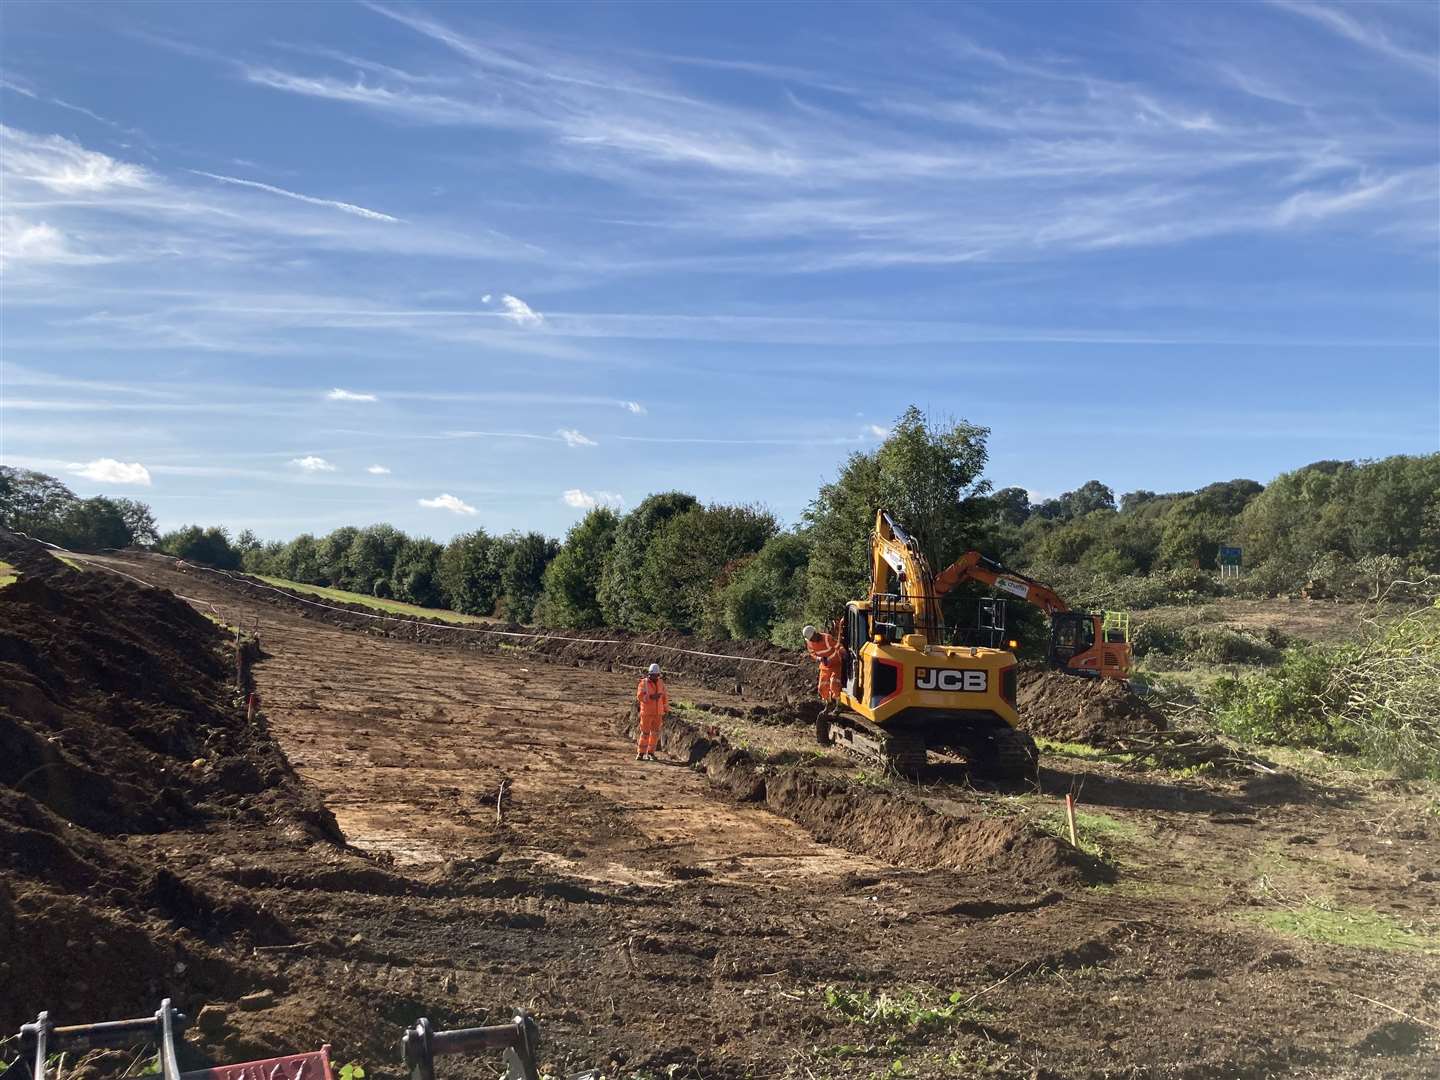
(68, 561)
(8, 574)
(1098, 833)
(906, 1012)
(391, 607)
(1079, 750)
(1359, 928)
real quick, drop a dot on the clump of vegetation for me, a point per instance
(1360, 928)
(1378, 697)
(1209, 643)
(909, 1012)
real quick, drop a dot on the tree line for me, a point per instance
(720, 570)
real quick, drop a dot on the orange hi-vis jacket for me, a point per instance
(831, 656)
(654, 699)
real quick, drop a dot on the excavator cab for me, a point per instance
(1091, 644)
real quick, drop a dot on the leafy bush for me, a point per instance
(209, 546)
(1227, 645)
(1379, 696)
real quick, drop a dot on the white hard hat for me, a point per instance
(654, 669)
(808, 632)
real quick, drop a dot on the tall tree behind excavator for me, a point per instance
(928, 473)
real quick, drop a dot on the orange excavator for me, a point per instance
(1092, 644)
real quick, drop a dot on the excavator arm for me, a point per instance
(894, 551)
(972, 566)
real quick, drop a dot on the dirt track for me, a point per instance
(722, 939)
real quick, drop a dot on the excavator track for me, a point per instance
(1012, 755)
(899, 753)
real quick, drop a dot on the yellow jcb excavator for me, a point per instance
(905, 691)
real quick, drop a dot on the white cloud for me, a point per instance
(634, 407)
(312, 464)
(39, 243)
(378, 470)
(348, 395)
(575, 438)
(448, 502)
(589, 500)
(344, 207)
(485, 299)
(878, 431)
(519, 312)
(55, 162)
(109, 471)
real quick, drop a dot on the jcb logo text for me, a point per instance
(970, 682)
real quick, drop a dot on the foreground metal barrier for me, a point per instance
(41, 1041)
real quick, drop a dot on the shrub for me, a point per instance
(1379, 696)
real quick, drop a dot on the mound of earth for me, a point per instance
(118, 723)
(1072, 709)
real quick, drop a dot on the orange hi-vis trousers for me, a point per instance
(831, 656)
(654, 700)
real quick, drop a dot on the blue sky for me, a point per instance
(291, 266)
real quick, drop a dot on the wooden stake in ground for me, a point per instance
(500, 802)
(1070, 818)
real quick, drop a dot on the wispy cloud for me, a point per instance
(633, 407)
(336, 204)
(575, 438)
(349, 395)
(589, 500)
(1365, 32)
(110, 471)
(378, 470)
(312, 464)
(35, 95)
(877, 431)
(40, 243)
(448, 502)
(1041, 157)
(63, 166)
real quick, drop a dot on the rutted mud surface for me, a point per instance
(722, 919)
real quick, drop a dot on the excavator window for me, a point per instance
(1071, 634)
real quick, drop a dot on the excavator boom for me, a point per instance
(1080, 643)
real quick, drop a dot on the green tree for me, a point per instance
(622, 602)
(470, 574)
(300, 560)
(93, 525)
(572, 580)
(139, 522)
(686, 557)
(333, 554)
(765, 596)
(1011, 505)
(33, 503)
(370, 560)
(416, 577)
(210, 546)
(522, 578)
(928, 475)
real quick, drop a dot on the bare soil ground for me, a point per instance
(752, 907)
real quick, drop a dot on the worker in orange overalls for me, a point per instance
(830, 654)
(653, 700)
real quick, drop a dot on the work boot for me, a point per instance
(639, 757)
